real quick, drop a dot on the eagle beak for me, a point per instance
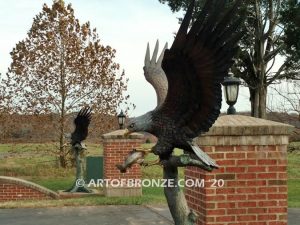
(127, 132)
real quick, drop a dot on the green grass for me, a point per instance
(294, 165)
(36, 160)
(37, 148)
(294, 193)
(94, 149)
(294, 177)
(149, 196)
(42, 169)
(28, 162)
(55, 184)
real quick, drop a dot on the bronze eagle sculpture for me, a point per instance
(82, 122)
(195, 66)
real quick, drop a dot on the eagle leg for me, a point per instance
(163, 149)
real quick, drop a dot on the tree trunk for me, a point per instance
(62, 148)
(254, 99)
(62, 152)
(258, 93)
(251, 99)
(263, 103)
(179, 209)
(256, 103)
(258, 99)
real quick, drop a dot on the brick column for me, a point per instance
(252, 154)
(115, 150)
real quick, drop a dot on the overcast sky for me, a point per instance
(126, 25)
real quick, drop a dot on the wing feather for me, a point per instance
(82, 122)
(197, 63)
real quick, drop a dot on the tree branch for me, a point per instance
(278, 74)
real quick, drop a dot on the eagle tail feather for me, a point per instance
(204, 157)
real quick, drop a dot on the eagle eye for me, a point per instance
(131, 125)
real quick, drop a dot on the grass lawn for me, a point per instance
(32, 162)
(150, 196)
(294, 193)
(294, 177)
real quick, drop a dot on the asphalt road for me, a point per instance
(102, 215)
(294, 216)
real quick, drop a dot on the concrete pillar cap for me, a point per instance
(238, 125)
(119, 134)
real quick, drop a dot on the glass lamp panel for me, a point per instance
(232, 92)
(120, 120)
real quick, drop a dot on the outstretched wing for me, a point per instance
(154, 74)
(197, 63)
(81, 122)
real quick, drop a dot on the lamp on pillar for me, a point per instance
(231, 91)
(121, 119)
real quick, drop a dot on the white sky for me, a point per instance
(126, 25)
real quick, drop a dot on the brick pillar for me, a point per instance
(115, 150)
(252, 154)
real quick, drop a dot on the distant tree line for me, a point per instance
(20, 128)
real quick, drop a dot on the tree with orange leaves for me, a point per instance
(62, 66)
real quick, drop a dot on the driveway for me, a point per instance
(102, 215)
(294, 216)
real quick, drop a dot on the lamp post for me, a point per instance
(231, 91)
(121, 119)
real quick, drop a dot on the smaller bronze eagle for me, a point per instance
(82, 122)
(195, 65)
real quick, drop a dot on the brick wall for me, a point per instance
(12, 189)
(115, 150)
(252, 155)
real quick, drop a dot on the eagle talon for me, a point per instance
(145, 150)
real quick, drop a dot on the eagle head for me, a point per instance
(141, 123)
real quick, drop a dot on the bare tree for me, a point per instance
(259, 52)
(62, 66)
(286, 98)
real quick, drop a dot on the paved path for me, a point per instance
(294, 216)
(104, 215)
